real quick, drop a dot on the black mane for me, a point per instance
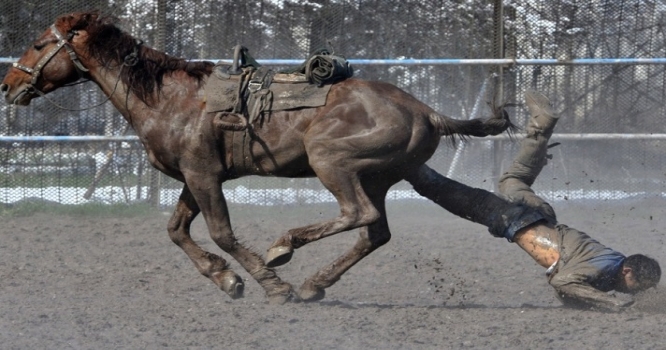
(110, 46)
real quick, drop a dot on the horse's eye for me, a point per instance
(38, 46)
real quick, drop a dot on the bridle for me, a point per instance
(62, 42)
(129, 60)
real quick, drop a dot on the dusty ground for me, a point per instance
(91, 283)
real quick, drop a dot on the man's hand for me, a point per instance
(584, 296)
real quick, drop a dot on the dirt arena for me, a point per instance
(114, 283)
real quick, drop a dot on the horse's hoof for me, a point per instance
(278, 256)
(308, 292)
(283, 298)
(233, 285)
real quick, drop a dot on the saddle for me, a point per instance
(241, 92)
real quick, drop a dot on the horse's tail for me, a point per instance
(473, 127)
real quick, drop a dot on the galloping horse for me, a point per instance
(367, 137)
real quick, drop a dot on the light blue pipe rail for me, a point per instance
(453, 61)
(88, 138)
(569, 137)
(479, 61)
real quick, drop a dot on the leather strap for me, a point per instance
(241, 155)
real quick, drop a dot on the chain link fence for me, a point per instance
(593, 99)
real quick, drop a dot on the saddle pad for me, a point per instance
(222, 93)
(291, 96)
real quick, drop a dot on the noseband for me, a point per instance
(62, 42)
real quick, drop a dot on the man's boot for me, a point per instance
(543, 119)
(532, 155)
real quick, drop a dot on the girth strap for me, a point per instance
(241, 153)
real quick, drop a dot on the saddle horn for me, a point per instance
(239, 59)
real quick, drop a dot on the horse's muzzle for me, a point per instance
(4, 90)
(22, 97)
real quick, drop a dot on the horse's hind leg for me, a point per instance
(208, 264)
(356, 210)
(370, 238)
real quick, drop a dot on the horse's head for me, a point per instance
(51, 62)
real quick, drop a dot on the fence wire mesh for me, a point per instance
(619, 99)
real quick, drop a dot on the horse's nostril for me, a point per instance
(4, 89)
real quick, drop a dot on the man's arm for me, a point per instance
(585, 296)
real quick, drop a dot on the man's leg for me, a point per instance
(516, 182)
(502, 217)
(517, 207)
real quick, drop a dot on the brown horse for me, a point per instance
(367, 137)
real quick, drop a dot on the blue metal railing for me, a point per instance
(132, 138)
(453, 61)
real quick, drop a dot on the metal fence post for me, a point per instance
(498, 98)
(160, 44)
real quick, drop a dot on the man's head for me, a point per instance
(638, 273)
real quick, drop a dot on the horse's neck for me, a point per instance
(113, 88)
(133, 109)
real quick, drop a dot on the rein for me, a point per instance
(129, 61)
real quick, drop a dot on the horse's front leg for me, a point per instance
(208, 264)
(207, 192)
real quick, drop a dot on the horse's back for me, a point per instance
(374, 121)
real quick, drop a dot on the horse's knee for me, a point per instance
(181, 219)
(370, 216)
(176, 236)
(363, 217)
(177, 230)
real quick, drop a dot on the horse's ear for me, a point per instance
(77, 20)
(90, 17)
(65, 21)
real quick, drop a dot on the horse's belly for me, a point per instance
(281, 167)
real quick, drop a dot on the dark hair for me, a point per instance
(646, 270)
(110, 46)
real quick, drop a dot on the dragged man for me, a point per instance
(581, 269)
